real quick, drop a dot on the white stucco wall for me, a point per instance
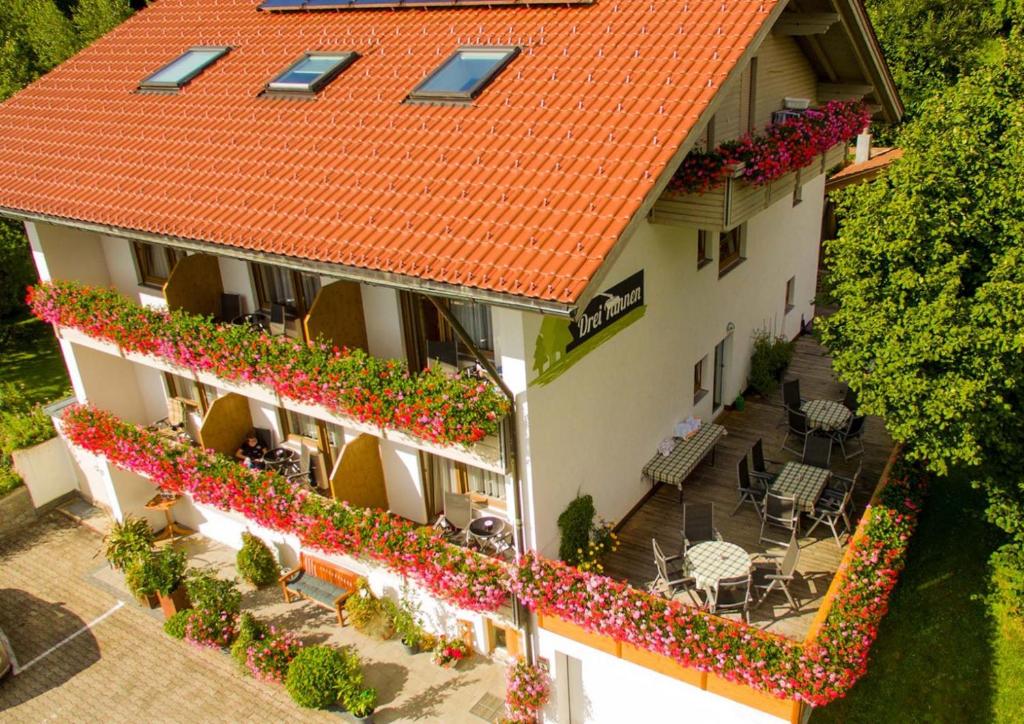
(61, 252)
(124, 276)
(616, 691)
(383, 322)
(235, 276)
(592, 429)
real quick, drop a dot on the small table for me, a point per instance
(803, 483)
(826, 415)
(280, 458)
(487, 529)
(259, 321)
(675, 467)
(164, 502)
(711, 561)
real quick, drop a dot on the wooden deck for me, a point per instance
(661, 515)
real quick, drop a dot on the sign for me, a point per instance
(606, 308)
(562, 343)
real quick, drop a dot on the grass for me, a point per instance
(35, 362)
(944, 653)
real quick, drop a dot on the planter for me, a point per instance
(411, 649)
(149, 600)
(367, 718)
(177, 601)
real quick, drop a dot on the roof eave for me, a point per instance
(402, 282)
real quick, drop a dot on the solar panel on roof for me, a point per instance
(293, 5)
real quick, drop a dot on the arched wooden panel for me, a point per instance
(226, 423)
(358, 476)
(195, 285)
(337, 315)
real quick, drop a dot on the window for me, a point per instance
(464, 74)
(730, 248)
(475, 318)
(790, 294)
(277, 285)
(699, 390)
(188, 391)
(703, 257)
(458, 477)
(180, 71)
(311, 72)
(153, 263)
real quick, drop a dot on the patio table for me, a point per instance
(711, 561)
(826, 415)
(675, 467)
(803, 483)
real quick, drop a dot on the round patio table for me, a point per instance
(486, 530)
(714, 560)
(280, 458)
(826, 414)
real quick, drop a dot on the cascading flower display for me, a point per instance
(526, 691)
(780, 148)
(430, 405)
(457, 575)
(816, 672)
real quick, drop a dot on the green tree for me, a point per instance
(16, 271)
(94, 18)
(930, 43)
(929, 273)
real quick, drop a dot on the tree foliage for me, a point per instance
(929, 275)
(929, 44)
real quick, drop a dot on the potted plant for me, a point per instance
(361, 702)
(449, 652)
(319, 677)
(163, 574)
(126, 540)
(407, 626)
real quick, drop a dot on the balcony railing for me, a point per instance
(725, 186)
(457, 416)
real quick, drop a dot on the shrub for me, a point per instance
(255, 562)
(770, 357)
(126, 540)
(156, 572)
(268, 659)
(22, 424)
(361, 702)
(585, 537)
(9, 480)
(217, 603)
(449, 652)
(250, 631)
(209, 593)
(371, 615)
(320, 676)
(405, 620)
(175, 625)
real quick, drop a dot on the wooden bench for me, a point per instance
(323, 583)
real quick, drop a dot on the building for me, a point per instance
(482, 188)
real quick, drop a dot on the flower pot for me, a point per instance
(177, 601)
(411, 649)
(366, 718)
(149, 600)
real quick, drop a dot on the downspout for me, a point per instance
(519, 619)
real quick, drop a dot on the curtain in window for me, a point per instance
(476, 320)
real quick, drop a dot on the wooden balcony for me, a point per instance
(660, 516)
(737, 201)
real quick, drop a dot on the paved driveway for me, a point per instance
(118, 665)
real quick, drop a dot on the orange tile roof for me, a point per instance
(865, 170)
(523, 193)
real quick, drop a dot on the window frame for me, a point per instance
(263, 301)
(143, 268)
(790, 295)
(416, 95)
(150, 86)
(703, 257)
(699, 390)
(727, 264)
(346, 59)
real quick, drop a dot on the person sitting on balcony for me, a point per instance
(251, 452)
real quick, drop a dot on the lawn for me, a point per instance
(944, 652)
(34, 360)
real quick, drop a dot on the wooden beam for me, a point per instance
(805, 23)
(843, 91)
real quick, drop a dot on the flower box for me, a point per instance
(664, 665)
(743, 694)
(561, 627)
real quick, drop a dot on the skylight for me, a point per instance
(184, 68)
(311, 72)
(464, 74)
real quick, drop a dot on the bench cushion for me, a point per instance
(315, 589)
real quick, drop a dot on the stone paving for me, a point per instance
(54, 581)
